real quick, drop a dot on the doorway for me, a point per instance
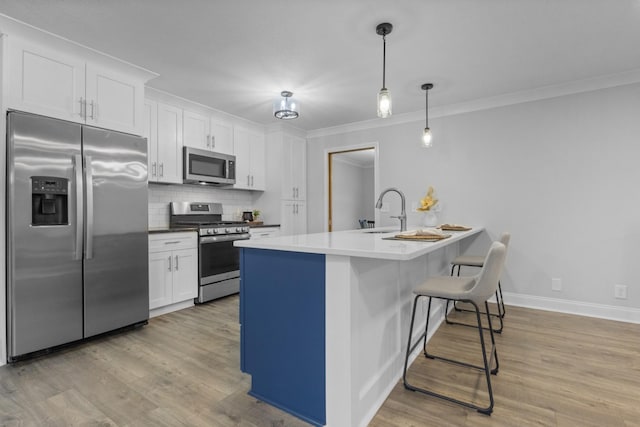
(352, 184)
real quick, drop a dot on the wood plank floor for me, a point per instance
(183, 370)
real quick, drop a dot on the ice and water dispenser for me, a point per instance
(49, 201)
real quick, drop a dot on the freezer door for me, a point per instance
(44, 263)
(116, 243)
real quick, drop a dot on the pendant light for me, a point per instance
(384, 96)
(426, 134)
(286, 108)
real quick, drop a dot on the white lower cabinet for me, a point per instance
(173, 268)
(264, 232)
(294, 218)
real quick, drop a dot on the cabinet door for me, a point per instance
(299, 167)
(264, 232)
(195, 131)
(114, 101)
(221, 136)
(151, 133)
(185, 274)
(294, 168)
(160, 279)
(169, 144)
(242, 151)
(294, 218)
(258, 175)
(300, 218)
(45, 81)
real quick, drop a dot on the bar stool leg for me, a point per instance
(504, 311)
(486, 362)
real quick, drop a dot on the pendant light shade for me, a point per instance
(384, 103)
(286, 108)
(426, 134)
(384, 96)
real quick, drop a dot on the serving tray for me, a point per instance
(454, 227)
(418, 238)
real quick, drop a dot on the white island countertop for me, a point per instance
(365, 243)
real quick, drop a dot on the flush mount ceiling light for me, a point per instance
(286, 108)
(384, 96)
(426, 134)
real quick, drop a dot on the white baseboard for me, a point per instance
(169, 308)
(602, 311)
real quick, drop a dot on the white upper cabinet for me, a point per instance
(195, 131)
(221, 136)
(207, 133)
(249, 149)
(151, 133)
(294, 170)
(169, 161)
(54, 83)
(115, 101)
(163, 129)
(46, 82)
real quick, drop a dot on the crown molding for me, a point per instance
(545, 92)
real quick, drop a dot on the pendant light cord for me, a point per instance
(426, 108)
(384, 59)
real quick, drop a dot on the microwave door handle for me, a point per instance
(77, 171)
(89, 189)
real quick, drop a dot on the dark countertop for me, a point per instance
(264, 225)
(171, 230)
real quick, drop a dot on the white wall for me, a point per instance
(560, 174)
(352, 194)
(368, 196)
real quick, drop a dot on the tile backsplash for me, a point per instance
(160, 195)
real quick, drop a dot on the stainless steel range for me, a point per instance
(218, 259)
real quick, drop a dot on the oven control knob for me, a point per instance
(215, 231)
(239, 229)
(228, 230)
(209, 231)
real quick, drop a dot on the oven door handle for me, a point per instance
(224, 238)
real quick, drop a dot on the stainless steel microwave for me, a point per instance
(208, 167)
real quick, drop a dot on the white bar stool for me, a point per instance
(476, 291)
(477, 261)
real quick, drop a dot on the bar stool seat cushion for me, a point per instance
(470, 260)
(447, 287)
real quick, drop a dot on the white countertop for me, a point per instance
(366, 243)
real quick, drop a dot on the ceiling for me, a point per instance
(236, 56)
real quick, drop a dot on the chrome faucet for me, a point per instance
(403, 214)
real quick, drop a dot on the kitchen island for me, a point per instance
(324, 317)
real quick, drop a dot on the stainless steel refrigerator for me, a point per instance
(77, 247)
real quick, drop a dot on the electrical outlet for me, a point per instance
(556, 285)
(620, 291)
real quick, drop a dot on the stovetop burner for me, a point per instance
(206, 216)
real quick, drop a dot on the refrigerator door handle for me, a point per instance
(88, 176)
(77, 169)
